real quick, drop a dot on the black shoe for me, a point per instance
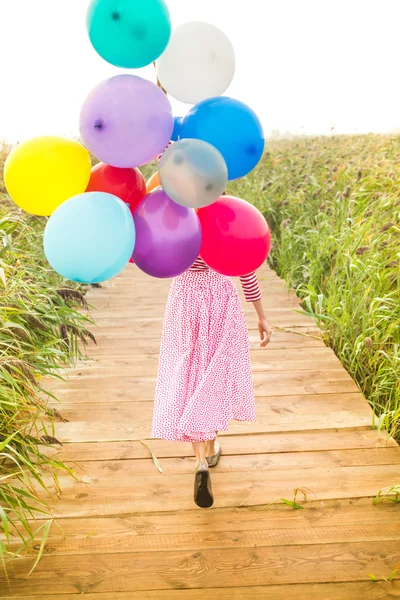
(203, 495)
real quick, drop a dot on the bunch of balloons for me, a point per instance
(102, 217)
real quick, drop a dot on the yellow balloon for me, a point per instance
(43, 172)
(153, 182)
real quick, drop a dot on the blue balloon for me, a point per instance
(232, 127)
(90, 237)
(177, 128)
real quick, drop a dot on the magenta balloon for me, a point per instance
(168, 236)
(126, 121)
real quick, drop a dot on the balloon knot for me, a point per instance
(251, 150)
(99, 124)
(115, 16)
(178, 159)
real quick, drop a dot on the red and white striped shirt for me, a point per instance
(250, 285)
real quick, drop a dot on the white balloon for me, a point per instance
(198, 63)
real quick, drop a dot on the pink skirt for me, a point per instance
(204, 376)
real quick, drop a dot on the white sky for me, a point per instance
(303, 65)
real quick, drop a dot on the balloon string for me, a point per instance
(158, 81)
(165, 92)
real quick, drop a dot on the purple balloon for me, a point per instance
(168, 236)
(126, 121)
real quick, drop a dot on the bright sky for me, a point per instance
(304, 66)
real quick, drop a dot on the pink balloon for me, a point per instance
(236, 237)
(126, 121)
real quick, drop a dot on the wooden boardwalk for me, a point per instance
(127, 532)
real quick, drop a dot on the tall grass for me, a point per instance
(333, 205)
(40, 326)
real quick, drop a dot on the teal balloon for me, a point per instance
(129, 33)
(90, 237)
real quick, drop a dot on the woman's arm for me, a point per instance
(252, 292)
(263, 326)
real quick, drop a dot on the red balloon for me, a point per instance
(236, 237)
(127, 184)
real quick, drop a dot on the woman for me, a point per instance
(204, 377)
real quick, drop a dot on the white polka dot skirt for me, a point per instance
(204, 376)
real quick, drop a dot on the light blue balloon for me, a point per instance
(129, 33)
(90, 237)
(230, 126)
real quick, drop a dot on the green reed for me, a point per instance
(333, 205)
(40, 327)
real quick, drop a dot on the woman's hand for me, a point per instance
(265, 331)
(263, 325)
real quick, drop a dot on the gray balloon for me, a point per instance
(193, 173)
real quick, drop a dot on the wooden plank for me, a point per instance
(126, 342)
(135, 286)
(110, 306)
(299, 441)
(105, 471)
(261, 380)
(277, 318)
(132, 271)
(132, 274)
(117, 494)
(97, 370)
(88, 420)
(314, 514)
(273, 360)
(207, 569)
(98, 431)
(117, 430)
(102, 538)
(97, 470)
(265, 384)
(275, 414)
(113, 301)
(107, 308)
(285, 410)
(366, 590)
(281, 334)
(217, 525)
(109, 473)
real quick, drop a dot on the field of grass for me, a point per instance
(39, 329)
(333, 205)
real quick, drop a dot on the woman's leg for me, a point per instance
(210, 450)
(199, 452)
(203, 495)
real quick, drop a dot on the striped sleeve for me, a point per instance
(251, 287)
(159, 157)
(199, 265)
